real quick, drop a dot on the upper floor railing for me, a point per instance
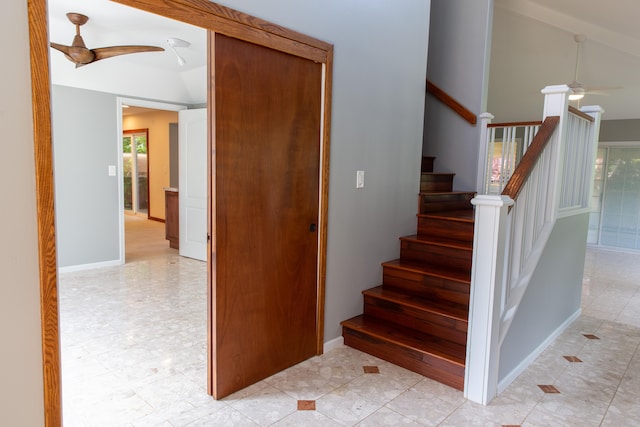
(506, 143)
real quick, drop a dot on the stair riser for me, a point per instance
(427, 164)
(455, 231)
(430, 366)
(443, 202)
(431, 323)
(439, 183)
(454, 258)
(425, 285)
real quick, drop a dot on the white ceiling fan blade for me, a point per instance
(601, 89)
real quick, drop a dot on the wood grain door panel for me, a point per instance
(266, 157)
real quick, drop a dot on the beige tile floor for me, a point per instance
(134, 346)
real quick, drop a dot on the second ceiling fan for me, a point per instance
(579, 91)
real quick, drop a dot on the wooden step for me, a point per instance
(427, 281)
(427, 164)
(450, 201)
(454, 226)
(439, 318)
(442, 254)
(425, 354)
(432, 182)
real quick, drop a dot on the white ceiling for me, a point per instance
(155, 75)
(533, 47)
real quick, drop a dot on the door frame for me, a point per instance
(205, 14)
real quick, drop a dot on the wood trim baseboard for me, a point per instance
(153, 218)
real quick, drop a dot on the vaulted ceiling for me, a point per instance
(154, 75)
(533, 47)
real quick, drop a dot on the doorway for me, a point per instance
(213, 17)
(128, 124)
(135, 171)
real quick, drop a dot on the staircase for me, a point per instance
(417, 318)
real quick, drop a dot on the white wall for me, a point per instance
(553, 295)
(459, 50)
(377, 119)
(21, 392)
(87, 204)
(620, 130)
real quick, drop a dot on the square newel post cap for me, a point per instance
(492, 200)
(549, 90)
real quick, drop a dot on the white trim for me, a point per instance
(566, 212)
(509, 378)
(333, 344)
(121, 100)
(622, 144)
(92, 266)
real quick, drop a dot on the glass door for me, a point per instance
(135, 171)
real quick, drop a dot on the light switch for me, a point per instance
(112, 170)
(359, 179)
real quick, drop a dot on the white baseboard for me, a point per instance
(91, 266)
(502, 385)
(333, 344)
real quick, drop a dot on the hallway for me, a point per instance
(134, 354)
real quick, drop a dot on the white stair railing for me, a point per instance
(511, 232)
(504, 145)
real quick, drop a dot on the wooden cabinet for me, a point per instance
(172, 222)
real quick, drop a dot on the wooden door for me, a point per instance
(265, 197)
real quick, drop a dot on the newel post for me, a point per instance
(483, 153)
(556, 103)
(485, 303)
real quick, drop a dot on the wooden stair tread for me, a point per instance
(409, 338)
(443, 308)
(438, 173)
(465, 215)
(453, 193)
(441, 241)
(432, 270)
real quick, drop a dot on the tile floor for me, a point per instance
(134, 346)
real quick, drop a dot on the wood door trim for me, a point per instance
(43, 153)
(232, 23)
(195, 12)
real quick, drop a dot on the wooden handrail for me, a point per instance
(579, 113)
(447, 100)
(514, 124)
(530, 158)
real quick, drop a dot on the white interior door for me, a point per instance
(192, 132)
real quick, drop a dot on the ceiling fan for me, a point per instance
(580, 91)
(80, 55)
